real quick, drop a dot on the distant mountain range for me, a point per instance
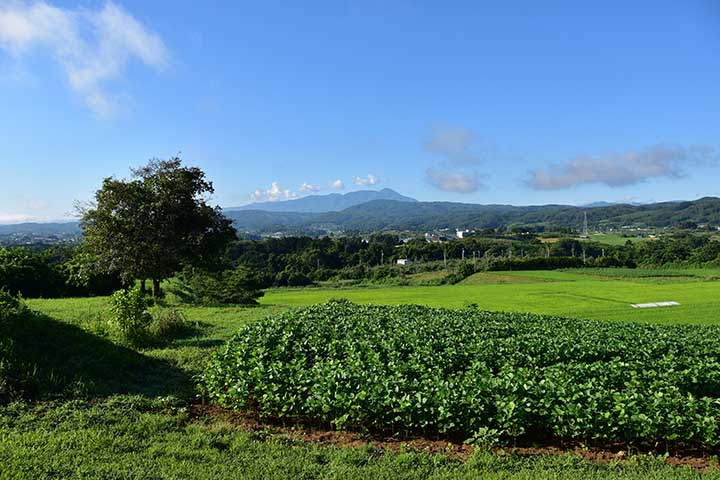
(411, 215)
(56, 228)
(381, 215)
(333, 202)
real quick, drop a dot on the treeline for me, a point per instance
(250, 265)
(298, 261)
(53, 272)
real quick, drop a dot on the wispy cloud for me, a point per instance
(454, 144)
(455, 182)
(15, 217)
(92, 47)
(625, 168)
(273, 194)
(309, 188)
(458, 152)
(366, 181)
(337, 184)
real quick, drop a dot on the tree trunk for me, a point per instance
(156, 288)
(142, 286)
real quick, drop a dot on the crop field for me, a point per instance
(127, 411)
(481, 376)
(602, 294)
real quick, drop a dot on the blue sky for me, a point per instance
(484, 102)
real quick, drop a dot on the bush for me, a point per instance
(168, 324)
(129, 314)
(474, 374)
(237, 286)
(535, 263)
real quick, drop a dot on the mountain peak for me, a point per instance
(333, 202)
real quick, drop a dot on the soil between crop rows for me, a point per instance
(304, 432)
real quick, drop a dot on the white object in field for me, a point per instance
(654, 304)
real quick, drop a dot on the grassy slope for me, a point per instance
(119, 437)
(570, 294)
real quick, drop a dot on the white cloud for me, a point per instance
(14, 217)
(337, 184)
(456, 182)
(454, 144)
(93, 47)
(621, 169)
(273, 194)
(366, 181)
(309, 188)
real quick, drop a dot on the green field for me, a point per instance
(128, 418)
(598, 294)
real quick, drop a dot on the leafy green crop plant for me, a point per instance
(478, 375)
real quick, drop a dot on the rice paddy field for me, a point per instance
(601, 294)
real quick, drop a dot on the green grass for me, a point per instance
(572, 294)
(124, 438)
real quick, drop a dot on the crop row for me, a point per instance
(480, 375)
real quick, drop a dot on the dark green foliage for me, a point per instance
(534, 263)
(56, 272)
(474, 374)
(151, 226)
(237, 286)
(130, 316)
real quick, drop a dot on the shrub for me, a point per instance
(168, 323)
(129, 314)
(535, 263)
(479, 375)
(237, 286)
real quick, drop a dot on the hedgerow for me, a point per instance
(483, 376)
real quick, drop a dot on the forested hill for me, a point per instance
(379, 215)
(422, 216)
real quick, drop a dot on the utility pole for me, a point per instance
(382, 257)
(463, 254)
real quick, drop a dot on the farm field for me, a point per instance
(136, 420)
(601, 294)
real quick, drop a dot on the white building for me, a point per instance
(403, 261)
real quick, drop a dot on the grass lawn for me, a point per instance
(593, 295)
(128, 416)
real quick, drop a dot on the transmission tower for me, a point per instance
(585, 226)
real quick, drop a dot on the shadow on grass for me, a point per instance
(54, 359)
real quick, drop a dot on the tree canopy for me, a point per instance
(155, 223)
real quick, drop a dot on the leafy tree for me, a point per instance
(152, 225)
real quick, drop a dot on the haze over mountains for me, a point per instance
(333, 202)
